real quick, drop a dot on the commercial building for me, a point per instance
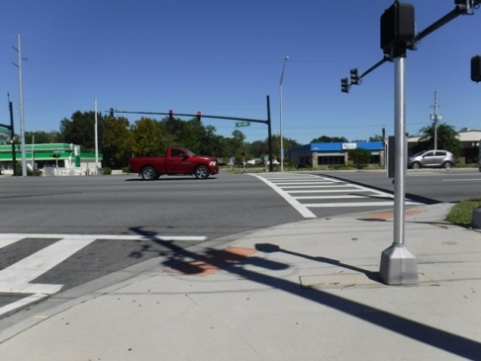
(323, 155)
(51, 158)
(469, 152)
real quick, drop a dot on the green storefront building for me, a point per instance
(50, 156)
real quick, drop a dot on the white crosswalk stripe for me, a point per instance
(302, 192)
(17, 278)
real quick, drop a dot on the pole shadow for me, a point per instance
(271, 248)
(441, 339)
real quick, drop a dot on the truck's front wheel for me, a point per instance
(148, 173)
(201, 172)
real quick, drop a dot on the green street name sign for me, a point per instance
(242, 124)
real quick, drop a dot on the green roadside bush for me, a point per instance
(359, 157)
(462, 213)
(106, 171)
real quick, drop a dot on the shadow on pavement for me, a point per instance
(270, 248)
(429, 335)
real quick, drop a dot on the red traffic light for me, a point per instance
(171, 113)
(198, 115)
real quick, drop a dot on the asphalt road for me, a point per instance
(121, 205)
(58, 233)
(183, 206)
(425, 185)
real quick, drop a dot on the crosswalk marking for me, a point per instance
(306, 213)
(14, 237)
(303, 190)
(16, 279)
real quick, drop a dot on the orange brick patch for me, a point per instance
(213, 261)
(390, 215)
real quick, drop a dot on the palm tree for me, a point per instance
(447, 138)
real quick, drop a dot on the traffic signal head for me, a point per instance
(398, 28)
(345, 85)
(111, 112)
(476, 68)
(171, 113)
(198, 116)
(355, 76)
(465, 6)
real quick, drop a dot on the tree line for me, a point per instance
(119, 139)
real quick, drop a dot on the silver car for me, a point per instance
(432, 158)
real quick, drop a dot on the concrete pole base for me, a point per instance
(398, 266)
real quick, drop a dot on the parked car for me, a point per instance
(254, 161)
(274, 162)
(432, 158)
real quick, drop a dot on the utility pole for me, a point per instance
(435, 117)
(281, 110)
(96, 141)
(20, 105)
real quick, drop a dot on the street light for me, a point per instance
(280, 90)
(96, 140)
(435, 118)
(33, 150)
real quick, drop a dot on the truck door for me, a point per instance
(178, 162)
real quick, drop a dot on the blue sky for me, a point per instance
(224, 57)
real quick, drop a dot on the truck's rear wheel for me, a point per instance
(201, 172)
(148, 173)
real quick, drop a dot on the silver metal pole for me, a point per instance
(20, 105)
(400, 147)
(281, 110)
(435, 117)
(398, 265)
(96, 141)
(33, 151)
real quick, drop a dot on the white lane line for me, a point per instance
(316, 186)
(461, 180)
(16, 278)
(350, 196)
(17, 236)
(4, 242)
(306, 213)
(333, 191)
(361, 204)
(303, 182)
(21, 273)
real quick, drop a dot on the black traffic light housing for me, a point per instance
(355, 76)
(466, 6)
(345, 85)
(198, 116)
(398, 28)
(171, 114)
(476, 68)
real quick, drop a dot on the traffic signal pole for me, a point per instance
(398, 265)
(198, 116)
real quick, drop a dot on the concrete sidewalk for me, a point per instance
(303, 291)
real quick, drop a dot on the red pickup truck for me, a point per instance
(177, 161)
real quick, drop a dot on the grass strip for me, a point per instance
(462, 213)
